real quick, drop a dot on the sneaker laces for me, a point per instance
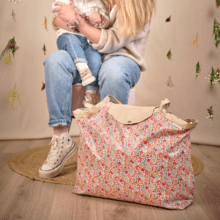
(56, 148)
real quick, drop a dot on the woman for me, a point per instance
(122, 46)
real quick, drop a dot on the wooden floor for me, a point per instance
(22, 198)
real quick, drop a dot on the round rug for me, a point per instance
(28, 162)
(197, 165)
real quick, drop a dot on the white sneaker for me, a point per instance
(62, 148)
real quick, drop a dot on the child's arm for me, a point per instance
(98, 13)
(67, 12)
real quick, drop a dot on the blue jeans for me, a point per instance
(81, 51)
(116, 76)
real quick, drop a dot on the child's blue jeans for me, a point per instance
(81, 51)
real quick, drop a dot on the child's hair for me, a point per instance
(133, 15)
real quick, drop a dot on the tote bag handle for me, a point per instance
(116, 100)
(185, 124)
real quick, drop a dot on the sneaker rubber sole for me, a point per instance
(58, 169)
(87, 105)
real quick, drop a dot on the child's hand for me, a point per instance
(95, 18)
(64, 11)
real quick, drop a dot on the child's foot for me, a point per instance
(62, 148)
(90, 98)
(85, 74)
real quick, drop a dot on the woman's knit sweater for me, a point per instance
(111, 44)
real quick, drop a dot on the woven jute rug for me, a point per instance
(28, 162)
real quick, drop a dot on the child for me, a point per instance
(86, 58)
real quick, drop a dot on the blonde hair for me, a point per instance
(133, 15)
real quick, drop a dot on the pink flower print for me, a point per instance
(137, 168)
(160, 155)
(180, 179)
(146, 127)
(158, 182)
(152, 176)
(161, 167)
(140, 153)
(138, 179)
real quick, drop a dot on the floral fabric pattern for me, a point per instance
(147, 162)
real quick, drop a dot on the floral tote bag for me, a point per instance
(136, 154)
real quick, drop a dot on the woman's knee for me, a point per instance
(59, 60)
(112, 74)
(119, 71)
(55, 58)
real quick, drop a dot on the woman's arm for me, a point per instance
(91, 33)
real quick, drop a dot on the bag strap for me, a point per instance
(185, 124)
(116, 100)
(165, 104)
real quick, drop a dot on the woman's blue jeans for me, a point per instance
(116, 76)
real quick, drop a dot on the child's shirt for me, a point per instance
(88, 7)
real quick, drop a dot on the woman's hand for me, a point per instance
(64, 11)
